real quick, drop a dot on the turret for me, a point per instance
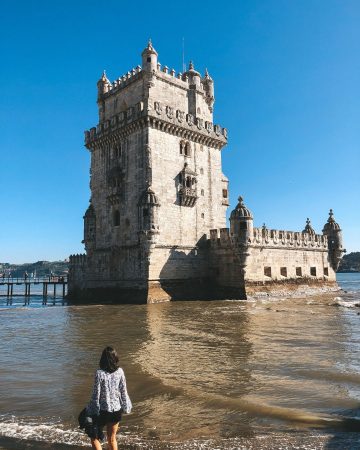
(333, 232)
(241, 222)
(308, 228)
(89, 229)
(103, 85)
(148, 213)
(193, 76)
(209, 89)
(149, 58)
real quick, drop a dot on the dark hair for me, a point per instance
(109, 360)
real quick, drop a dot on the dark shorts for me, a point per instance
(106, 417)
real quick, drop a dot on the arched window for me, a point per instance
(116, 218)
(185, 148)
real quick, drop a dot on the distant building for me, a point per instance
(155, 226)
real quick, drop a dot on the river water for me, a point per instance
(265, 374)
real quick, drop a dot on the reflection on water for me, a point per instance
(200, 374)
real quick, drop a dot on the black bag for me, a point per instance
(90, 426)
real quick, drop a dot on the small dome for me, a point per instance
(241, 211)
(104, 79)
(90, 212)
(308, 228)
(149, 198)
(149, 49)
(331, 224)
(191, 71)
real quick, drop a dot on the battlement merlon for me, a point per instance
(194, 94)
(263, 237)
(162, 117)
(191, 79)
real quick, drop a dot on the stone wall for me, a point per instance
(272, 260)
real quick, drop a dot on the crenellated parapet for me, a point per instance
(78, 260)
(263, 236)
(139, 99)
(159, 116)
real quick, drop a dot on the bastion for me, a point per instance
(155, 229)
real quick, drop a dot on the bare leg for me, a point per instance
(96, 444)
(111, 429)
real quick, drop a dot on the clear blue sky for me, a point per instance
(287, 87)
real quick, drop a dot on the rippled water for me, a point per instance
(272, 374)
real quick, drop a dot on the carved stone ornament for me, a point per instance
(190, 119)
(225, 133)
(209, 126)
(113, 121)
(158, 107)
(180, 115)
(170, 112)
(121, 116)
(199, 123)
(217, 129)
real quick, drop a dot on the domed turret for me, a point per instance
(241, 221)
(193, 75)
(333, 232)
(103, 84)
(308, 228)
(149, 58)
(331, 225)
(241, 211)
(209, 89)
(148, 212)
(149, 198)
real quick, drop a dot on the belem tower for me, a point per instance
(155, 228)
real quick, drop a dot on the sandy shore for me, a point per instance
(283, 441)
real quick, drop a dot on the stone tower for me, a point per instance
(334, 235)
(157, 186)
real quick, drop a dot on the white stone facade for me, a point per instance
(157, 189)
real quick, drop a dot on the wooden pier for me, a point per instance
(49, 286)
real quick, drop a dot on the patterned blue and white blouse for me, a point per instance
(109, 393)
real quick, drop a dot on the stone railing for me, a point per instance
(283, 238)
(264, 237)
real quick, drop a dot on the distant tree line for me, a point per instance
(350, 263)
(38, 269)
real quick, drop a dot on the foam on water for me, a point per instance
(30, 429)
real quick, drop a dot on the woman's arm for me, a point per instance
(93, 407)
(126, 404)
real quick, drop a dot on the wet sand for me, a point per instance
(285, 441)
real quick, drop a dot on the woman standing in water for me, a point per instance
(109, 399)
